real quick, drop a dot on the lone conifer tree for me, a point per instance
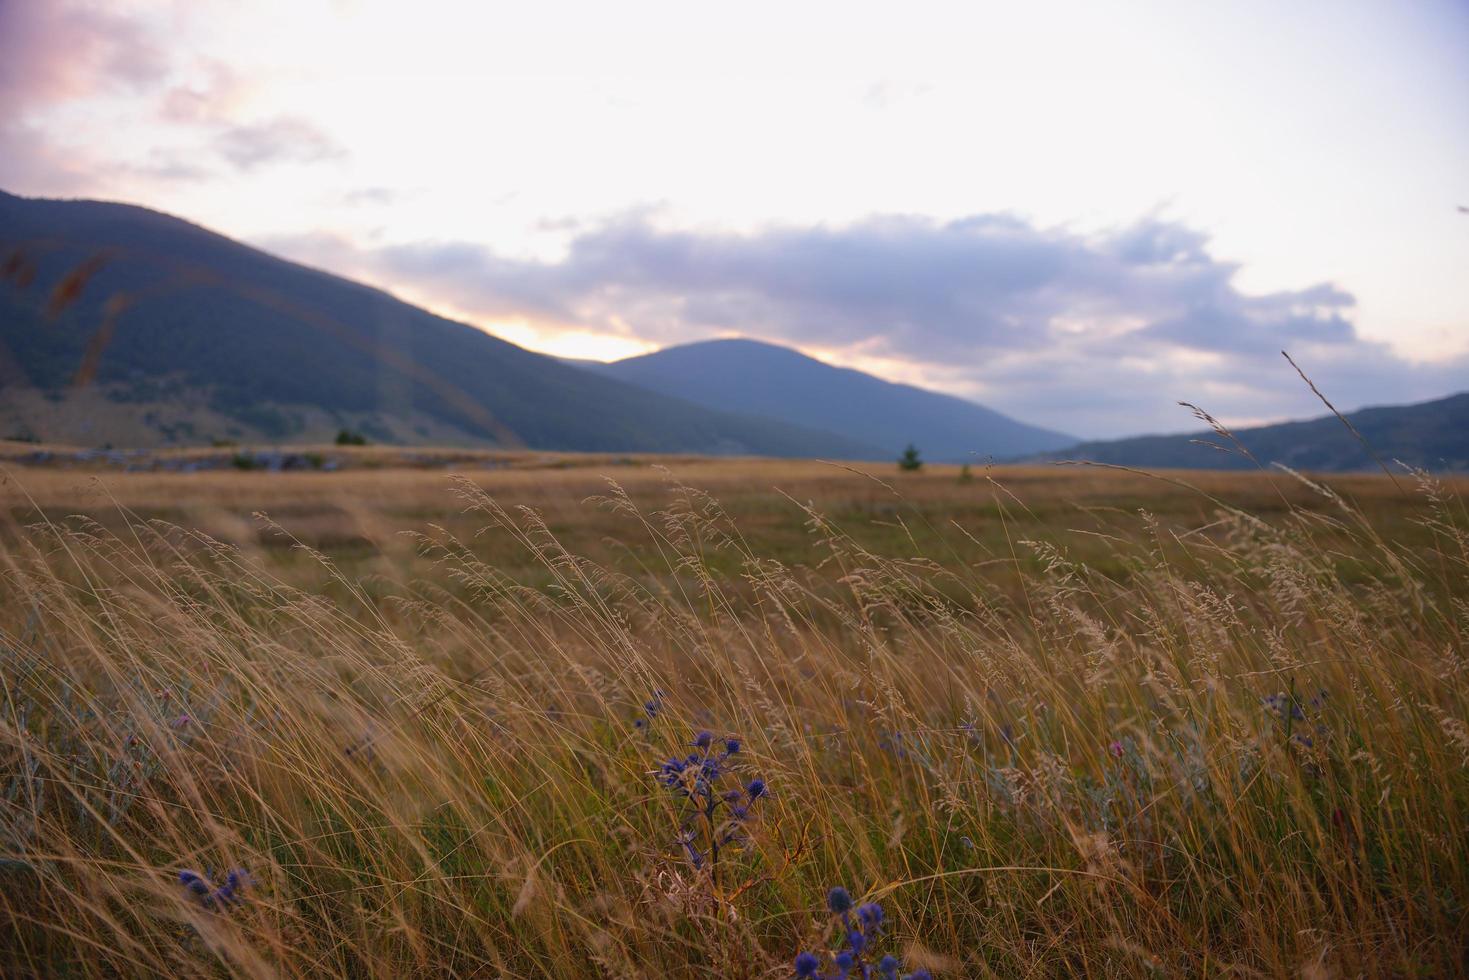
(909, 461)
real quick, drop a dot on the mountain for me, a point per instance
(1430, 435)
(756, 378)
(123, 325)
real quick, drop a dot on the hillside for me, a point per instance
(1431, 435)
(123, 325)
(763, 379)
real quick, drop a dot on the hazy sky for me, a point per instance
(1078, 213)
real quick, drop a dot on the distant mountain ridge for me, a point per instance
(167, 333)
(755, 378)
(1430, 435)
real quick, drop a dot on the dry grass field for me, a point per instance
(430, 720)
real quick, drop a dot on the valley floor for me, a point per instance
(442, 716)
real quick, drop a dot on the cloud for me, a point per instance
(1097, 334)
(215, 98)
(285, 139)
(54, 52)
(371, 197)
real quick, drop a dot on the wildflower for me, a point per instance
(230, 893)
(651, 709)
(195, 883)
(858, 935)
(871, 915)
(807, 964)
(696, 778)
(1115, 748)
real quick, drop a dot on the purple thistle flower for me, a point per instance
(888, 967)
(870, 914)
(807, 964)
(195, 883)
(839, 900)
(703, 740)
(230, 893)
(756, 789)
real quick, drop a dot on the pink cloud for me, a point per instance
(55, 52)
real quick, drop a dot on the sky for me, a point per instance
(1077, 213)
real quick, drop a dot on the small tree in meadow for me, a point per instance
(910, 462)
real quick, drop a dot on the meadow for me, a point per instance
(561, 716)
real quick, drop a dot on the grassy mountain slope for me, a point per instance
(764, 379)
(1431, 435)
(162, 311)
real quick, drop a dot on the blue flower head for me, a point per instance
(232, 892)
(807, 964)
(702, 783)
(870, 914)
(839, 900)
(888, 967)
(195, 883)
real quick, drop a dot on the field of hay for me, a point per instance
(422, 720)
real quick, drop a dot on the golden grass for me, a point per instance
(1024, 714)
